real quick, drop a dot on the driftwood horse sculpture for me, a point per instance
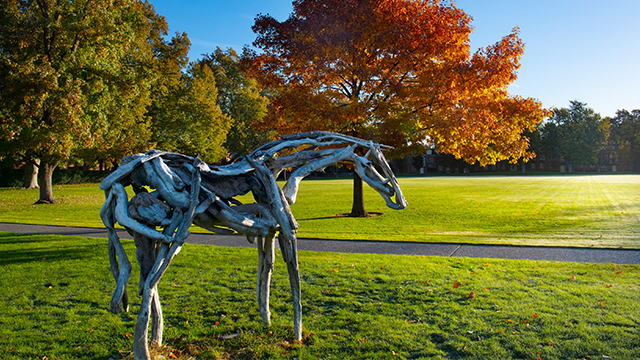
(186, 190)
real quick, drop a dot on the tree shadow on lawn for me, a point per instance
(45, 247)
(346, 215)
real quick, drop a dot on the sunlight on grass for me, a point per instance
(599, 211)
(550, 210)
(56, 293)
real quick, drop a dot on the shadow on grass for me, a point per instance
(13, 238)
(345, 216)
(45, 247)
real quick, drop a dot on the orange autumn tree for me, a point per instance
(397, 71)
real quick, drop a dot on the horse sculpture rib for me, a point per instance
(187, 191)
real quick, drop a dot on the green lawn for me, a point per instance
(578, 210)
(56, 291)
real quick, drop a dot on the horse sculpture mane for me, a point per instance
(188, 191)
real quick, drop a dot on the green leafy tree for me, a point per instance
(71, 73)
(577, 134)
(157, 65)
(625, 137)
(187, 119)
(240, 98)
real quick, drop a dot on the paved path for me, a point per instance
(376, 247)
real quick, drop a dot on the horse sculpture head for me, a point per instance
(313, 151)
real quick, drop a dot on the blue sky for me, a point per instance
(582, 50)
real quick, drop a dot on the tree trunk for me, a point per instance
(44, 180)
(30, 180)
(357, 210)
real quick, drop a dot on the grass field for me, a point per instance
(578, 210)
(56, 290)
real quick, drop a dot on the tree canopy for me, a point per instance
(187, 118)
(239, 98)
(577, 134)
(97, 80)
(398, 71)
(73, 74)
(625, 136)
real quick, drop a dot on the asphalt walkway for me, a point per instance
(617, 256)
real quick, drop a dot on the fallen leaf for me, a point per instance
(601, 303)
(534, 315)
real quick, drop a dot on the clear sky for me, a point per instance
(586, 50)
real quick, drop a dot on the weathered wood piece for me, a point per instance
(186, 190)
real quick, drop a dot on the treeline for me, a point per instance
(580, 137)
(570, 139)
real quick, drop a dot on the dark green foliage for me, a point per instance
(625, 138)
(239, 98)
(75, 76)
(187, 119)
(577, 134)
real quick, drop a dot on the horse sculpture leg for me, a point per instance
(265, 268)
(120, 272)
(140, 347)
(146, 256)
(286, 237)
(156, 308)
(288, 246)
